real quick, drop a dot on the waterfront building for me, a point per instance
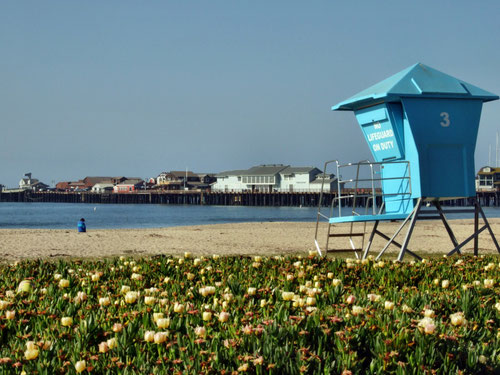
(129, 186)
(103, 187)
(177, 180)
(488, 179)
(31, 183)
(274, 178)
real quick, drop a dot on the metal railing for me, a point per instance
(374, 188)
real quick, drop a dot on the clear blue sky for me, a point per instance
(135, 88)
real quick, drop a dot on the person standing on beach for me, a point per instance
(81, 225)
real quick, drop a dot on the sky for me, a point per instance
(135, 88)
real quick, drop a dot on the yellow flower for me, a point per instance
(131, 297)
(96, 277)
(80, 366)
(336, 282)
(287, 296)
(489, 283)
(252, 291)
(157, 316)
(310, 301)
(187, 254)
(389, 305)
(112, 343)
(200, 331)
(9, 315)
(357, 310)
(31, 354)
(190, 276)
(57, 276)
(497, 306)
(196, 261)
(149, 300)
(426, 325)
(178, 308)
(263, 303)
(406, 308)
(373, 297)
(125, 289)
(103, 347)
(63, 283)
(104, 301)
(136, 276)
(117, 327)
(66, 321)
(149, 336)
(207, 316)
(458, 319)
(24, 287)
(351, 299)
(4, 305)
(445, 284)
(163, 323)
(223, 317)
(428, 313)
(243, 368)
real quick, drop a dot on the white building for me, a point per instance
(102, 187)
(31, 183)
(273, 178)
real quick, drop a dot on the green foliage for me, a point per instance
(335, 316)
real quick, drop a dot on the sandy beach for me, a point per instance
(283, 238)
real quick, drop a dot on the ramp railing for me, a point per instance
(363, 192)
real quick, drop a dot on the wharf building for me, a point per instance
(275, 178)
(488, 179)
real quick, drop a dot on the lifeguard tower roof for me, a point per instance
(418, 80)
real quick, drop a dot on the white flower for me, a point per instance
(489, 283)
(66, 321)
(428, 313)
(80, 366)
(178, 308)
(287, 296)
(200, 331)
(427, 325)
(163, 322)
(373, 297)
(63, 283)
(458, 319)
(160, 337)
(389, 305)
(223, 317)
(104, 301)
(131, 297)
(149, 336)
(357, 310)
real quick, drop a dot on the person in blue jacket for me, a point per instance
(81, 225)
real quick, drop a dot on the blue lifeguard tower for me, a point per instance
(421, 126)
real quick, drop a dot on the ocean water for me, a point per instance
(110, 216)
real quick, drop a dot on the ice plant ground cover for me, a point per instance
(257, 315)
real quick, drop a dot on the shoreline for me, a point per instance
(247, 239)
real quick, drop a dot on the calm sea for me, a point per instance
(66, 215)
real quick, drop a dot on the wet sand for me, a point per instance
(277, 238)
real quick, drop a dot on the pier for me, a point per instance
(197, 197)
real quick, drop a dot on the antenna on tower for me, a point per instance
(496, 160)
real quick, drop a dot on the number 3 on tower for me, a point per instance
(446, 119)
